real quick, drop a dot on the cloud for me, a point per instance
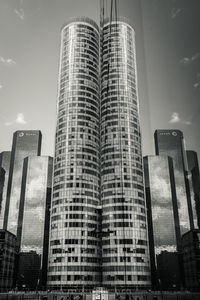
(19, 120)
(7, 61)
(175, 118)
(20, 13)
(190, 60)
(175, 12)
(1, 86)
(197, 83)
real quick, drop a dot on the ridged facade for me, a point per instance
(98, 231)
(124, 250)
(74, 248)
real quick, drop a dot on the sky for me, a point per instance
(168, 62)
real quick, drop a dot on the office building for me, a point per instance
(98, 230)
(169, 271)
(191, 259)
(125, 252)
(33, 220)
(7, 259)
(5, 164)
(170, 142)
(74, 253)
(27, 142)
(162, 212)
(28, 274)
(193, 168)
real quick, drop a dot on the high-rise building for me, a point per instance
(171, 143)
(191, 259)
(34, 215)
(125, 252)
(8, 253)
(74, 249)
(27, 142)
(98, 232)
(193, 168)
(162, 211)
(162, 203)
(5, 164)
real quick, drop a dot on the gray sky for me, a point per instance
(29, 56)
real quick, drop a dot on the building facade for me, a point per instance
(191, 259)
(125, 256)
(8, 244)
(27, 142)
(74, 253)
(171, 143)
(163, 220)
(5, 164)
(162, 202)
(193, 168)
(98, 232)
(33, 220)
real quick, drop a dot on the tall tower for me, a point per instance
(98, 232)
(33, 224)
(26, 142)
(74, 248)
(170, 142)
(125, 248)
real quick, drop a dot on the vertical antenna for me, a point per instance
(101, 14)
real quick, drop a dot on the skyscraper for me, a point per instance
(193, 168)
(163, 220)
(74, 249)
(98, 230)
(170, 142)
(27, 142)
(162, 202)
(5, 164)
(8, 243)
(33, 219)
(125, 250)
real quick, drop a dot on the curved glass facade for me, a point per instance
(74, 248)
(124, 248)
(98, 218)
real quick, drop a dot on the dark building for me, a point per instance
(169, 272)
(34, 211)
(5, 164)
(2, 180)
(162, 211)
(193, 168)
(191, 259)
(29, 271)
(171, 143)
(7, 259)
(25, 143)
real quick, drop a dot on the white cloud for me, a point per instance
(175, 118)
(7, 61)
(20, 13)
(1, 86)
(197, 83)
(189, 60)
(20, 119)
(175, 12)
